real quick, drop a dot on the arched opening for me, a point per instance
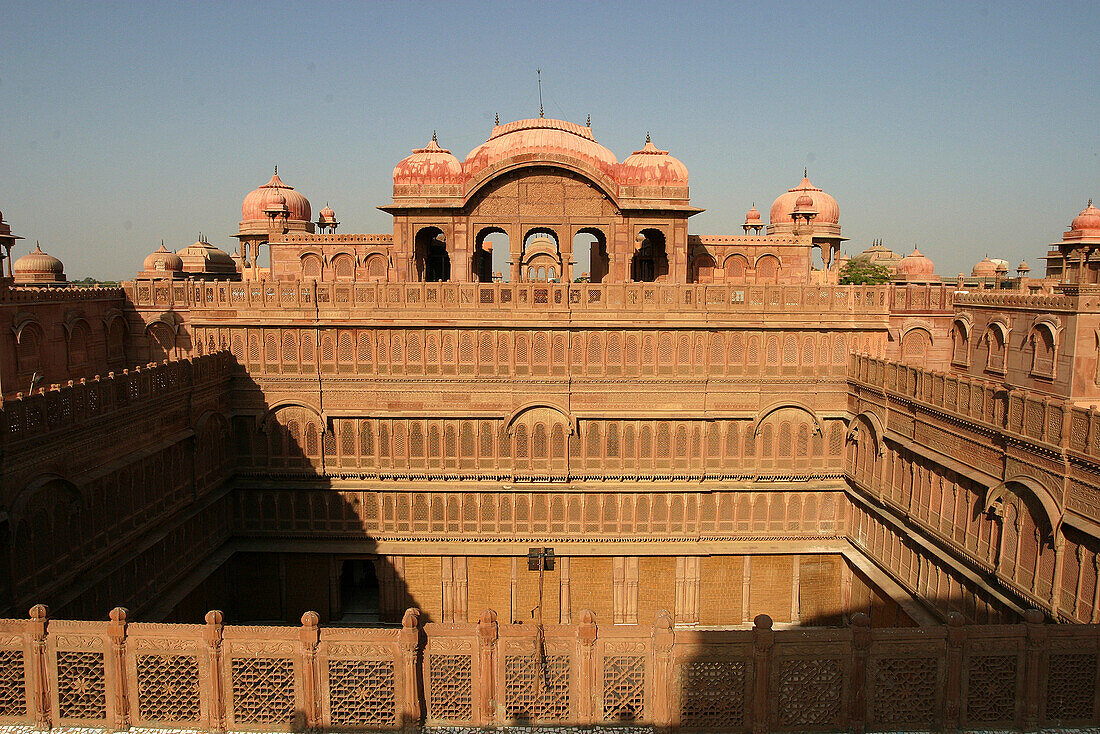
(1042, 351)
(702, 269)
(915, 346)
(767, 269)
(650, 261)
(995, 344)
(433, 264)
(960, 344)
(79, 337)
(736, 266)
(591, 261)
(116, 342)
(343, 267)
(490, 261)
(541, 256)
(161, 341)
(311, 266)
(29, 349)
(360, 596)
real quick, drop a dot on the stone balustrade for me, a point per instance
(119, 674)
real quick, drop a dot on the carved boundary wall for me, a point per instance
(117, 674)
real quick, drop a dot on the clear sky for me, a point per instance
(962, 128)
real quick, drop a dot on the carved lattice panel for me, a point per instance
(81, 685)
(263, 690)
(13, 691)
(905, 690)
(712, 694)
(451, 681)
(810, 692)
(168, 687)
(536, 693)
(361, 693)
(623, 687)
(991, 689)
(1071, 687)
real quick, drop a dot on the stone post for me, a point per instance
(486, 656)
(310, 637)
(409, 637)
(212, 635)
(956, 637)
(116, 631)
(861, 645)
(1036, 642)
(663, 641)
(763, 638)
(586, 679)
(38, 686)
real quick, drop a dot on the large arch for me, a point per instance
(593, 176)
(1034, 494)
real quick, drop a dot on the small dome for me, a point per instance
(752, 216)
(163, 260)
(880, 253)
(804, 205)
(915, 265)
(985, 268)
(1023, 267)
(651, 166)
(201, 257)
(1002, 266)
(828, 212)
(326, 215)
(1088, 220)
(38, 267)
(275, 197)
(428, 165)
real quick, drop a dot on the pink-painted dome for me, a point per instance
(326, 215)
(429, 165)
(915, 265)
(826, 207)
(164, 260)
(752, 217)
(38, 267)
(985, 268)
(651, 166)
(1088, 220)
(275, 197)
(541, 137)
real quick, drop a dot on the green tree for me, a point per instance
(862, 271)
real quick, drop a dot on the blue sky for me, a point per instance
(962, 128)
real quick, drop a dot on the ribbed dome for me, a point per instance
(651, 166)
(1088, 220)
(541, 136)
(985, 268)
(429, 165)
(915, 265)
(752, 215)
(275, 196)
(826, 207)
(38, 267)
(163, 260)
(326, 215)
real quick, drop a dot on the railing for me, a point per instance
(534, 297)
(1019, 411)
(53, 294)
(118, 674)
(46, 410)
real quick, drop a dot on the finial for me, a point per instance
(805, 172)
(538, 72)
(434, 139)
(1090, 201)
(496, 119)
(276, 169)
(647, 136)
(588, 122)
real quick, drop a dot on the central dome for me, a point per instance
(275, 196)
(826, 207)
(540, 137)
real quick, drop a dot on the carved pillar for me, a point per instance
(618, 583)
(1036, 641)
(680, 605)
(1059, 568)
(448, 589)
(630, 590)
(116, 631)
(1096, 590)
(861, 645)
(956, 636)
(38, 685)
(212, 635)
(461, 601)
(310, 636)
(664, 639)
(586, 679)
(486, 649)
(762, 640)
(566, 592)
(409, 638)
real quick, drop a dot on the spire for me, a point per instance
(805, 172)
(647, 136)
(434, 138)
(538, 72)
(276, 169)
(588, 122)
(496, 119)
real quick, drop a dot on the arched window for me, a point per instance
(78, 344)
(995, 343)
(311, 266)
(960, 344)
(767, 269)
(29, 349)
(915, 346)
(1042, 351)
(343, 267)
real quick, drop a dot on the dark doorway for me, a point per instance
(359, 592)
(650, 261)
(433, 264)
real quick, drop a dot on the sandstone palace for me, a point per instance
(627, 474)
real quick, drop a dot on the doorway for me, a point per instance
(360, 597)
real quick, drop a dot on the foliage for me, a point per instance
(93, 282)
(862, 271)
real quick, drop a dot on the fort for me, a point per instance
(542, 456)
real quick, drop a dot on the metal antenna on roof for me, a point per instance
(538, 72)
